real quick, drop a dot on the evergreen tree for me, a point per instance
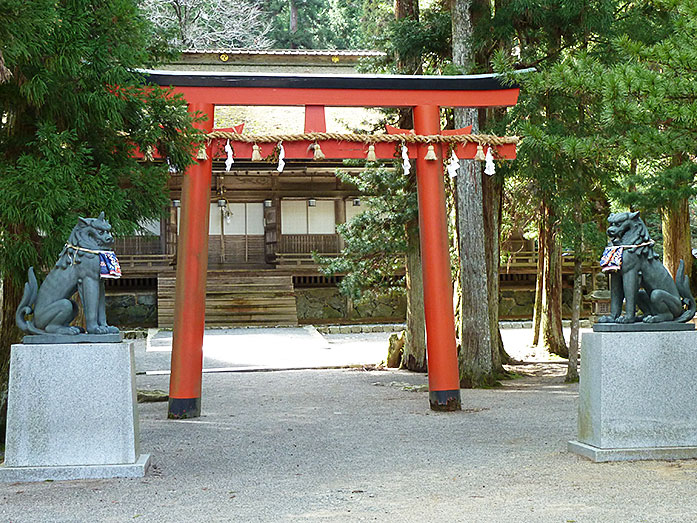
(556, 114)
(300, 24)
(650, 115)
(325, 24)
(72, 112)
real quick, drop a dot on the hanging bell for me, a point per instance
(371, 154)
(431, 153)
(319, 155)
(202, 155)
(480, 156)
(256, 153)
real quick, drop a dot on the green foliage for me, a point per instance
(424, 42)
(73, 111)
(375, 240)
(650, 106)
(321, 24)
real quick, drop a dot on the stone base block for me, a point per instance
(27, 474)
(72, 410)
(604, 455)
(637, 396)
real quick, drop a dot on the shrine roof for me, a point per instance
(480, 82)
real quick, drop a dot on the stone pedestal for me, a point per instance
(637, 396)
(72, 413)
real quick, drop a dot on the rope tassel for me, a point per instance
(431, 153)
(319, 155)
(256, 153)
(370, 157)
(480, 157)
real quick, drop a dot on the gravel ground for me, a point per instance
(362, 445)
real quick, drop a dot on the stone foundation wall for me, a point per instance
(520, 304)
(132, 309)
(326, 304)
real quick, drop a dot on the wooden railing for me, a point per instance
(308, 243)
(526, 261)
(145, 263)
(137, 245)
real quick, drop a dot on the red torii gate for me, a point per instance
(425, 94)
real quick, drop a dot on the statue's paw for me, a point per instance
(626, 319)
(112, 330)
(650, 319)
(97, 329)
(606, 319)
(70, 330)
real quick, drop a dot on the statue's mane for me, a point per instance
(638, 234)
(79, 237)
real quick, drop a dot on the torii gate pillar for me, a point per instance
(443, 374)
(190, 290)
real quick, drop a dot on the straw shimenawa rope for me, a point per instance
(482, 139)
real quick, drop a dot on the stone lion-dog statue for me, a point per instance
(83, 264)
(639, 279)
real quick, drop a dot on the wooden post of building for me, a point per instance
(443, 375)
(339, 218)
(190, 291)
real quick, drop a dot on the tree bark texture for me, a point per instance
(551, 327)
(406, 9)
(476, 344)
(675, 222)
(476, 364)
(462, 29)
(293, 14)
(572, 368)
(407, 64)
(492, 195)
(9, 334)
(539, 280)
(414, 351)
(577, 296)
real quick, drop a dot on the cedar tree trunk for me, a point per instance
(414, 351)
(675, 221)
(572, 368)
(9, 334)
(539, 281)
(552, 334)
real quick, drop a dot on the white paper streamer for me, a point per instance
(453, 165)
(281, 156)
(489, 169)
(405, 160)
(230, 160)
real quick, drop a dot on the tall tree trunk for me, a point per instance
(552, 334)
(9, 334)
(577, 299)
(539, 280)
(476, 345)
(293, 17)
(492, 208)
(572, 367)
(675, 221)
(414, 351)
(476, 363)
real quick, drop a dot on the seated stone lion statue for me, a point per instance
(639, 279)
(83, 262)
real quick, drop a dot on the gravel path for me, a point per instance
(356, 445)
